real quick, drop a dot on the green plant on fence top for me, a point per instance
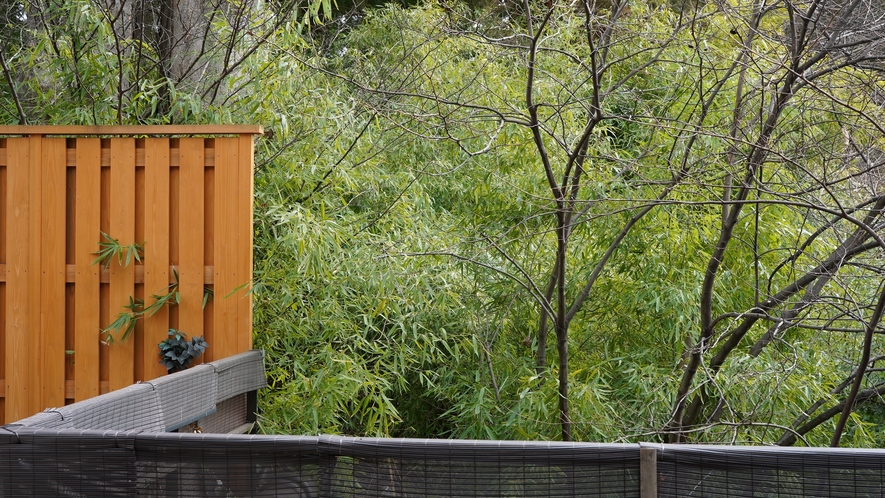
(126, 320)
(177, 353)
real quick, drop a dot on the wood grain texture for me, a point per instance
(209, 228)
(3, 418)
(4, 214)
(122, 229)
(157, 273)
(86, 275)
(70, 255)
(34, 269)
(52, 274)
(243, 238)
(226, 264)
(138, 337)
(190, 231)
(70, 340)
(18, 379)
(133, 130)
(105, 274)
(174, 159)
(69, 390)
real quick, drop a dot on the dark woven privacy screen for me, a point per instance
(738, 471)
(41, 462)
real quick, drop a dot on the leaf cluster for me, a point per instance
(177, 353)
(110, 248)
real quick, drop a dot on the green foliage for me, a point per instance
(110, 248)
(403, 219)
(177, 353)
(125, 321)
(469, 160)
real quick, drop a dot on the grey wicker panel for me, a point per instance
(229, 414)
(49, 419)
(167, 403)
(133, 408)
(186, 396)
(240, 373)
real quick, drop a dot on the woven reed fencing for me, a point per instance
(185, 192)
(69, 462)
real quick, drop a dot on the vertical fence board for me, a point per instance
(174, 215)
(86, 275)
(70, 215)
(209, 229)
(137, 338)
(3, 371)
(52, 274)
(70, 264)
(18, 379)
(4, 214)
(191, 237)
(104, 360)
(104, 223)
(34, 270)
(70, 322)
(243, 240)
(122, 278)
(140, 291)
(226, 192)
(156, 258)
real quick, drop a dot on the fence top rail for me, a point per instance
(461, 449)
(182, 130)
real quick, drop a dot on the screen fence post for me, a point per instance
(648, 472)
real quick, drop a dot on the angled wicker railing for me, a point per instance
(212, 397)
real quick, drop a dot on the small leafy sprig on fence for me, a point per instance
(111, 248)
(126, 320)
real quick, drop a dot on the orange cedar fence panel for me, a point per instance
(187, 201)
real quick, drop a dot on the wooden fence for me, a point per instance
(186, 197)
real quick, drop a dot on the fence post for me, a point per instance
(648, 472)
